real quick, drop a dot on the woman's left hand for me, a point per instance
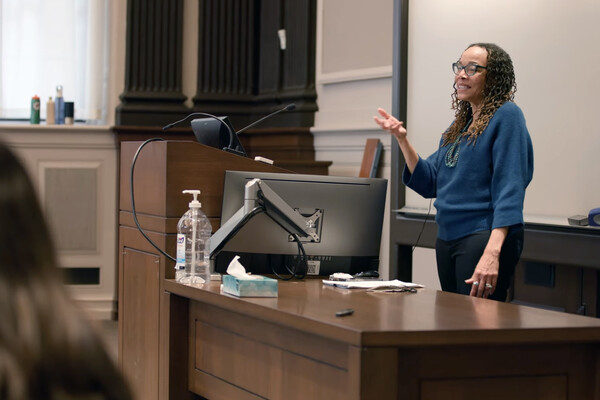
(485, 277)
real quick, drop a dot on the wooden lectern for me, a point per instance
(163, 169)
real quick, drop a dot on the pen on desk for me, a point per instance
(343, 313)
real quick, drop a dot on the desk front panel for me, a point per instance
(258, 358)
(450, 346)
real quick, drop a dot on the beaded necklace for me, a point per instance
(453, 152)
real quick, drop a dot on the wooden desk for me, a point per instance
(163, 170)
(427, 345)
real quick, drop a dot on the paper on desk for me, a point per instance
(372, 284)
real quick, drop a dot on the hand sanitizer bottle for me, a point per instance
(193, 236)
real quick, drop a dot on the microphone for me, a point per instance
(196, 114)
(289, 107)
(201, 114)
(232, 134)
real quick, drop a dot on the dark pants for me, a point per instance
(457, 259)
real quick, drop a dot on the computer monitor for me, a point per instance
(214, 133)
(348, 217)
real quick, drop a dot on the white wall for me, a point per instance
(354, 78)
(61, 160)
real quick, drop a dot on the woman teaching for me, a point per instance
(478, 175)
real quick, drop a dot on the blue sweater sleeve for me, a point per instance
(512, 163)
(424, 177)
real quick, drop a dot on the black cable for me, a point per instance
(422, 227)
(438, 162)
(301, 253)
(300, 258)
(133, 200)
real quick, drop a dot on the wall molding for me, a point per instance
(63, 137)
(352, 75)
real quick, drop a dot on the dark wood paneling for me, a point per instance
(290, 148)
(156, 361)
(242, 71)
(152, 94)
(165, 168)
(226, 48)
(265, 359)
(516, 372)
(571, 289)
(426, 346)
(138, 343)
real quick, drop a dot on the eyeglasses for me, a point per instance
(470, 69)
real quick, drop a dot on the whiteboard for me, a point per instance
(555, 48)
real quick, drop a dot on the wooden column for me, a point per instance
(152, 93)
(245, 72)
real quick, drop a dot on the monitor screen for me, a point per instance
(347, 214)
(213, 132)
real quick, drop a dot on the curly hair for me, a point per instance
(500, 87)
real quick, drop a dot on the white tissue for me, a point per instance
(236, 269)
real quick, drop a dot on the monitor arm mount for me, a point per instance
(259, 197)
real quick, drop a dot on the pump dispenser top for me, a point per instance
(194, 203)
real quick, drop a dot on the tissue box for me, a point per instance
(260, 287)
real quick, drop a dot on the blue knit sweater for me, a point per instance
(486, 188)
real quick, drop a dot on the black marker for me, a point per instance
(343, 313)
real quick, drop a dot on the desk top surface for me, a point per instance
(428, 317)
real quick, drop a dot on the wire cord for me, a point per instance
(422, 227)
(137, 153)
(299, 270)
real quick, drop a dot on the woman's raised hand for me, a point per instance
(391, 124)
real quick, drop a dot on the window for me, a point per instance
(48, 43)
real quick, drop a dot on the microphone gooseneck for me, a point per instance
(232, 134)
(289, 107)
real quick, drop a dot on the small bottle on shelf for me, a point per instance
(50, 112)
(59, 106)
(35, 110)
